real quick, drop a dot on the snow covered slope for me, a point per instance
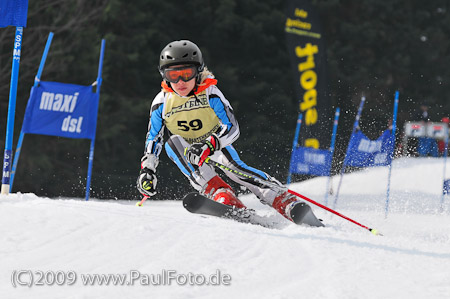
(341, 260)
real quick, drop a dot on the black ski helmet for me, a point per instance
(180, 52)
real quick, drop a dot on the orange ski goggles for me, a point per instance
(185, 73)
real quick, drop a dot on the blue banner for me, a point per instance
(13, 13)
(59, 109)
(363, 152)
(308, 160)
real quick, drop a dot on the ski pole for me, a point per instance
(373, 231)
(139, 204)
(270, 184)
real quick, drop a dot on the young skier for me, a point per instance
(201, 124)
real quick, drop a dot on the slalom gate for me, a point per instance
(63, 110)
(364, 152)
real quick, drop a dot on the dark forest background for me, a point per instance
(373, 48)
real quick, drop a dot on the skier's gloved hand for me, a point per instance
(146, 182)
(198, 152)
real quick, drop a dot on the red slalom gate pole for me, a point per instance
(373, 231)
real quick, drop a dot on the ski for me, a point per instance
(199, 204)
(303, 214)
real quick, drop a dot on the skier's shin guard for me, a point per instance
(217, 190)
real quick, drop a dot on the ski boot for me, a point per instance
(284, 203)
(295, 210)
(217, 190)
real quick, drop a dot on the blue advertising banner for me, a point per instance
(59, 109)
(13, 13)
(363, 152)
(308, 160)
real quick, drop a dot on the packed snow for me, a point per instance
(62, 242)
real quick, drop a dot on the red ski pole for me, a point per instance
(139, 204)
(372, 230)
